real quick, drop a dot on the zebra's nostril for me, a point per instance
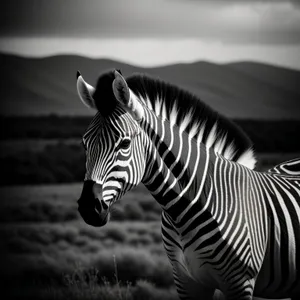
(98, 207)
(104, 205)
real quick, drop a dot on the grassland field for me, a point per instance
(48, 252)
(23, 148)
(46, 247)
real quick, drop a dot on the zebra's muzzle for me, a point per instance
(90, 208)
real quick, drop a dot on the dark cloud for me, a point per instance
(296, 3)
(244, 1)
(277, 23)
(35, 17)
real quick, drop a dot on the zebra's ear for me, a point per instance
(126, 97)
(85, 92)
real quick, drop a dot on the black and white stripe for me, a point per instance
(225, 216)
(111, 161)
(224, 226)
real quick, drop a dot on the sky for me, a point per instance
(156, 32)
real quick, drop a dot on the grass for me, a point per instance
(58, 203)
(58, 260)
(42, 229)
(48, 252)
(43, 161)
(86, 284)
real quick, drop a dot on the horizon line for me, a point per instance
(137, 65)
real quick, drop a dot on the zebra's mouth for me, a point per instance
(90, 208)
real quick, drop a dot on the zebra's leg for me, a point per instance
(189, 289)
(241, 290)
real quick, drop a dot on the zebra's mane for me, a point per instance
(196, 118)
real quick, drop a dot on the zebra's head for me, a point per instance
(114, 152)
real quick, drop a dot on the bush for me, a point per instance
(134, 264)
(55, 163)
(267, 135)
(38, 211)
(134, 211)
(45, 127)
(80, 291)
(116, 233)
(65, 162)
(145, 290)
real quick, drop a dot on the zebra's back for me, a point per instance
(291, 167)
(278, 276)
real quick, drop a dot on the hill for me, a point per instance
(242, 90)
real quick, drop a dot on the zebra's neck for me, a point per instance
(178, 168)
(187, 111)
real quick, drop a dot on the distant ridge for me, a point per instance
(244, 90)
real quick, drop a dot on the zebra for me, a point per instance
(228, 230)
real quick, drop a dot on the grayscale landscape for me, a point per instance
(54, 253)
(242, 58)
(245, 90)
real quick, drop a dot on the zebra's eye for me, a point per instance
(124, 144)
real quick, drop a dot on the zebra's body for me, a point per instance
(224, 226)
(240, 238)
(239, 219)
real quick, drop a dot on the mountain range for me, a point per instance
(242, 90)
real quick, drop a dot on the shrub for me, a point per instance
(116, 232)
(118, 213)
(134, 264)
(55, 163)
(145, 290)
(137, 240)
(40, 211)
(134, 211)
(81, 291)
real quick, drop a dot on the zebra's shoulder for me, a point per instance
(291, 167)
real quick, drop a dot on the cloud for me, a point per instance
(154, 52)
(231, 21)
(243, 1)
